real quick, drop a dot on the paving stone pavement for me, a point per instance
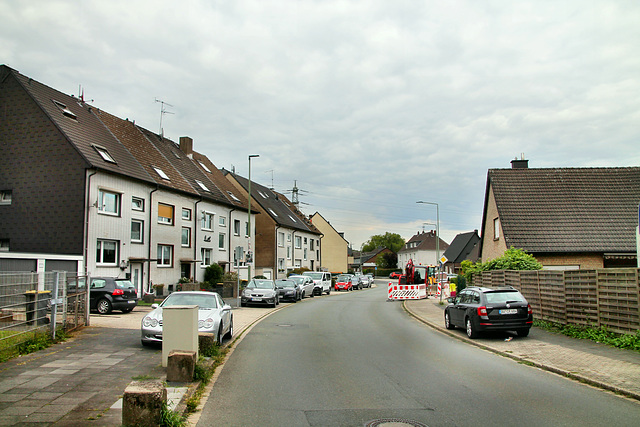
(596, 364)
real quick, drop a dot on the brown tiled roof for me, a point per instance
(217, 177)
(567, 209)
(426, 242)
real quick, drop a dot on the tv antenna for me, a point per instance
(163, 111)
(270, 170)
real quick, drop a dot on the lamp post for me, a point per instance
(437, 235)
(249, 219)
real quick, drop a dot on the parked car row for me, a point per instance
(350, 282)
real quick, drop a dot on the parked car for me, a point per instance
(367, 280)
(214, 316)
(480, 309)
(260, 291)
(288, 290)
(356, 281)
(344, 282)
(110, 293)
(305, 283)
(395, 275)
(322, 280)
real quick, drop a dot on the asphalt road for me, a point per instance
(352, 359)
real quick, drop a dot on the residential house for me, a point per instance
(368, 260)
(465, 246)
(284, 239)
(334, 247)
(86, 192)
(568, 218)
(423, 249)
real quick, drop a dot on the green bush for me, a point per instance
(512, 259)
(299, 271)
(212, 276)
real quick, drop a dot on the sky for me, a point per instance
(367, 106)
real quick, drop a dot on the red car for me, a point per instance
(395, 275)
(344, 282)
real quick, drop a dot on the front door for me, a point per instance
(136, 277)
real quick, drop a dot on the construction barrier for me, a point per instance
(402, 292)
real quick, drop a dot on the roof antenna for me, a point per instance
(270, 170)
(81, 94)
(163, 111)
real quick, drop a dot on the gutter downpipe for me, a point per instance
(229, 222)
(150, 229)
(86, 242)
(195, 237)
(276, 255)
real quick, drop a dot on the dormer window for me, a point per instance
(104, 154)
(65, 111)
(161, 173)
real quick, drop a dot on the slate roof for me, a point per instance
(567, 209)
(462, 247)
(273, 204)
(426, 242)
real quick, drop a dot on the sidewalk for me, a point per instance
(592, 363)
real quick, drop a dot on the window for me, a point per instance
(311, 241)
(222, 221)
(104, 154)
(273, 212)
(246, 229)
(222, 238)
(288, 237)
(292, 218)
(5, 197)
(298, 242)
(236, 227)
(108, 202)
(233, 196)
(297, 263)
(289, 252)
(207, 220)
(281, 264)
(305, 240)
(496, 229)
(161, 173)
(107, 252)
(204, 167)
(186, 237)
(165, 255)
(186, 214)
(206, 256)
(4, 245)
(165, 214)
(137, 204)
(201, 185)
(137, 233)
(65, 111)
(281, 239)
(305, 253)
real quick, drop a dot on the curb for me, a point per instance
(548, 368)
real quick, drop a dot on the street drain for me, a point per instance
(394, 422)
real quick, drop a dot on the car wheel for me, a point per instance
(447, 321)
(471, 332)
(219, 335)
(127, 310)
(230, 333)
(144, 343)
(243, 304)
(523, 332)
(313, 293)
(329, 291)
(103, 306)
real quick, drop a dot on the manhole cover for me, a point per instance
(394, 422)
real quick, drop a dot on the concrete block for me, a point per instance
(142, 403)
(206, 343)
(180, 366)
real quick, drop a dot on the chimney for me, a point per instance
(520, 164)
(186, 145)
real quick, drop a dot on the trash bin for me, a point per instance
(37, 310)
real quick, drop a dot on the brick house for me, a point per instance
(568, 218)
(84, 191)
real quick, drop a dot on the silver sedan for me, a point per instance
(214, 316)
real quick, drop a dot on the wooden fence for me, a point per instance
(607, 298)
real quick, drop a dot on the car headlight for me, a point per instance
(150, 322)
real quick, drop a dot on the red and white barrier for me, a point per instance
(402, 292)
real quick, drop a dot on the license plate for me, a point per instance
(132, 302)
(509, 311)
(256, 299)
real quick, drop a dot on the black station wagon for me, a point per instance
(479, 309)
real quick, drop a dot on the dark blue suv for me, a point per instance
(479, 309)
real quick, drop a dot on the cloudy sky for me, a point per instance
(369, 106)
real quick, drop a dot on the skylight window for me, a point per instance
(292, 218)
(104, 154)
(233, 196)
(204, 167)
(161, 173)
(65, 110)
(272, 212)
(201, 184)
(262, 194)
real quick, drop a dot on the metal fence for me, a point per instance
(600, 298)
(32, 303)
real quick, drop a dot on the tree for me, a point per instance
(213, 275)
(387, 260)
(392, 241)
(512, 259)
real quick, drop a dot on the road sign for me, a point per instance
(443, 259)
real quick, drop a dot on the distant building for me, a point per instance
(333, 246)
(465, 246)
(422, 249)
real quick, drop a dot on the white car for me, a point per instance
(322, 280)
(305, 283)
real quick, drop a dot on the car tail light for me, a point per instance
(482, 311)
(529, 309)
(117, 291)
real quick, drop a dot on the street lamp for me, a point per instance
(437, 235)
(249, 219)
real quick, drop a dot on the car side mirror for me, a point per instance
(154, 305)
(451, 300)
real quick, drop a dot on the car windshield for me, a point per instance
(503, 297)
(343, 278)
(314, 276)
(185, 298)
(286, 284)
(260, 284)
(297, 279)
(124, 284)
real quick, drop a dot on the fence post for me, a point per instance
(54, 304)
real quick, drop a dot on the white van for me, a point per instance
(322, 280)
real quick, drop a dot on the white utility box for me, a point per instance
(179, 330)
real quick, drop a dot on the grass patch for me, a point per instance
(171, 418)
(204, 369)
(600, 335)
(143, 378)
(14, 344)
